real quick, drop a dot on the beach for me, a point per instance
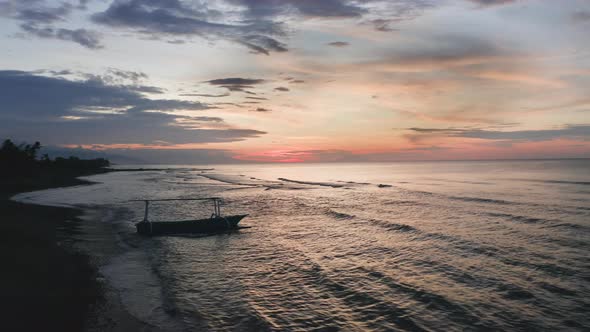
(51, 260)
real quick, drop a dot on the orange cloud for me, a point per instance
(521, 78)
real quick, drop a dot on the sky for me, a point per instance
(229, 81)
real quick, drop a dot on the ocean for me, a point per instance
(409, 246)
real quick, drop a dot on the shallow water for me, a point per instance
(438, 246)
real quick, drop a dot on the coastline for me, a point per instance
(52, 259)
(99, 240)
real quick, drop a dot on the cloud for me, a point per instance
(132, 80)
(176, 41)
(310, 8)
(261, 110)
(486, 3)
(581, 16)
(384, 15)
(127, 128)
(147, 89)
(443, 52)
(236, 81)
(262, 44)
(61, 111)
(397, 10)
(87, 38)
(383, 25)
(64, 72)
(237, 84)
(177, 18)
(133, 76)
(338, 44)
(55, 96)
(38, 19)
(461, 58)
(257, 98)
(205, 95)
(464, 114)
(282, 88)
(572, 104)
(520, 78)
(569, 131)
(43, 14)
(260, 25)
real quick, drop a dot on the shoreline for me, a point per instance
(99, 240)
(52, 260)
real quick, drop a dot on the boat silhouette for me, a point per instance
(216, 223)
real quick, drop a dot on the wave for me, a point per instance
(393, 226)
(581, 183)
(476, 248)
(557, 289)
(339, 215)
(381, 185)
(454, 311)
(322, 184)
(523, 219)
(224, 180)
(571, 226)
(461, 244)
(548, 268)
(368, 308)
(514, 292)
(352, 182)
(402, 202)
(254, 183)
(461, 181)
(467, 246)
(550, 223)
(568, 209)
(482, 200)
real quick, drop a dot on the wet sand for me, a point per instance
(52, 257)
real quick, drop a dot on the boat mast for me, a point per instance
(145, 216)
(217, 207)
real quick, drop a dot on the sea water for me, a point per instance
(447, 246)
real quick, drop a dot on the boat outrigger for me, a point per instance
(214, 224)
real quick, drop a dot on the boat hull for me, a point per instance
(202, 226)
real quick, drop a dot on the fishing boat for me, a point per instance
(214, 224)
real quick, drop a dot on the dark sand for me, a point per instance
(50, 261)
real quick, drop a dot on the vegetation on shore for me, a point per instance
(22, 170)
(44, 284)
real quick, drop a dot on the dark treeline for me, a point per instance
(45, 285)
(23, 159)
(22, 169)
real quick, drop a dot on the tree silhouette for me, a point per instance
(18, 160)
